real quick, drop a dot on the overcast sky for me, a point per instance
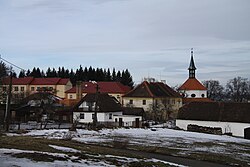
(149, 37)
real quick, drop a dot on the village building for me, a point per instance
(232, 118)
(108, 109)
(192, 89)
(114, 89)
(157, 99)
(22, 87)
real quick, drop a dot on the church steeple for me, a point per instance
(192, 67)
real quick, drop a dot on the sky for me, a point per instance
(150, 38)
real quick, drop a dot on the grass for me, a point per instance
(88, 152)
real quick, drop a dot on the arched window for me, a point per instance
(193, 95)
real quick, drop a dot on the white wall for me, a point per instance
(198, 93)
(128, 119)
(237, 129)
(101, 117)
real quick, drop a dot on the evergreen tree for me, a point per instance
(113, 78)
(21, 74)
(28, 73)
(126, 78)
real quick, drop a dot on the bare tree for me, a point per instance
(214, 89)
(237, 89)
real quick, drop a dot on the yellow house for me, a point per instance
(21, 87)
(157, 99)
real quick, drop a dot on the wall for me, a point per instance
(137, 102)
(101, 117)
(198, 93)
(237, 129)
(128, 119)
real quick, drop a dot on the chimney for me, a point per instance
(78, 90)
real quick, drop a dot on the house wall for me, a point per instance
(101, 117)
(128, 119)
(237, 129)
(138, 102)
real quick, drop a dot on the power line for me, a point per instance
(11, 63)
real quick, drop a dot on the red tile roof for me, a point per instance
(104, 87)
(18, 81)
(153, 89)
(36, 81)
(192, 84)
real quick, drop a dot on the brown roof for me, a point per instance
(104, 87)
(192, 84)
(215, 111)
(105, 102)
(153, 90)
(188, 100)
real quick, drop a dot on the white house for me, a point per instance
(232, 118)
(108, 109)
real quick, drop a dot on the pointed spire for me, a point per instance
(192, 67)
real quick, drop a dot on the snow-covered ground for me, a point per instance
(184, 142)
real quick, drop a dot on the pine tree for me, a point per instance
(21, 74)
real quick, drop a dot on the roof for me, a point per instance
(191, 65)
(188, 100)
(18, 81)
(36, 81)
(152, 90)
(105, 102)
(192, 84)
(215, 111)
(104, 87)
(137, 111)
(41, 96)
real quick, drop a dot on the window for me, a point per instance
(32, 88)
(70, 96)
(130, 101)
(64, 118)
(202, 95)
(193, 95)
(15, 88)
(173, 101)
(22, 88)
(144, 102)
(4, 88)
(110, 116)
(38, 89)
(81, 116)
(93, 116)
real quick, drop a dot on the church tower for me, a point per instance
(192, 89)
(192, 67)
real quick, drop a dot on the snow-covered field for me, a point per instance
(184, 142)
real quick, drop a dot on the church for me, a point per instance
(192, 89)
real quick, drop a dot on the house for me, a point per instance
(192, 89)
(22, 87)
(115, 89)
(108, 109)
(156, 98)
(39, 107)
(232, 118)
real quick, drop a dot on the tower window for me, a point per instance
(193, 95)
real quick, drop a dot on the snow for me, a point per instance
(65, 149)
(7, 160)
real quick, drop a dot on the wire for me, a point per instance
(11, 63)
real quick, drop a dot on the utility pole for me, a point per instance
(96, 107)
(7, 113)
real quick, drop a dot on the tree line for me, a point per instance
(81, 74)
(235, 90)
